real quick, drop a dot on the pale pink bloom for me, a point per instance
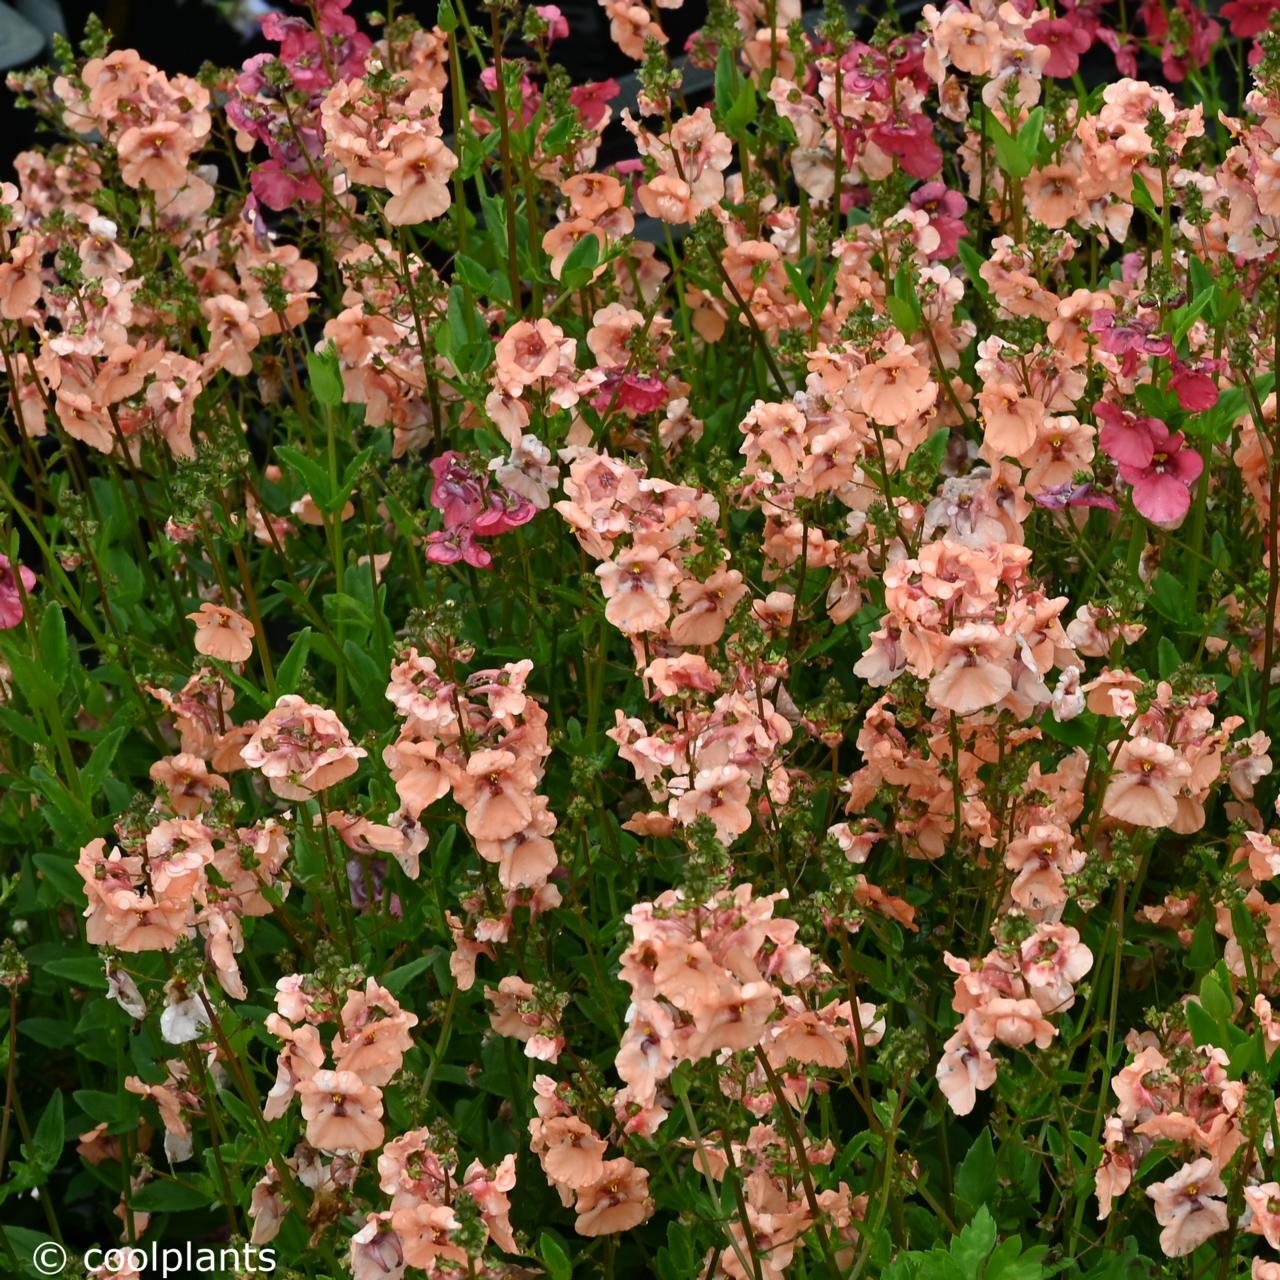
(964, 1069)
(1263, 1203)
(301, 749)
(1185, 1207)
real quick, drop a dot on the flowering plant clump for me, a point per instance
(661, 681)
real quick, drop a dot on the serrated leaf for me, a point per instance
(975, 1179)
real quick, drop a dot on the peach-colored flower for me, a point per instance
(496, 790)
(975, 669)
(342, 1112)
(638, 585)
(618, 1202)
(222, 633)
(896, 388)
(1144, 785)
(418, 179)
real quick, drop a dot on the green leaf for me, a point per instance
(580, 264)
(1142, 198)
(290, 670)
(1168, 659)
(972, 1246)
(52, 1033)
(175, 1196)
(975, 1180)
(1010, 156)
(84, 971)
(313, 476)
(54, 654)
(1185, 316)
(50, 1136)
(554, 1257)
(325, 376)
(95, 771)
(1216, 998)
(973, 267)
(1204, 1029)
(1029, 137)
(60, 872)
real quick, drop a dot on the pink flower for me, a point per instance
(1185, 1209)
(1066, 39)
(1124, 438)
(1248, 18)
(1194, 388)
(912, 142)
(10, 594)
(557, 23)
(1162, 487)
(591, 101)
(301, 749)
(946, 215)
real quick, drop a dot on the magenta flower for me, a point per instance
(457, 492)
(473, 507)
(1130, 340)
(10, 595)
(946, 215)
(1248, 18)
(1162, 487)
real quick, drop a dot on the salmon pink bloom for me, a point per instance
(342, 1112)
(896, 388)
(1143, 789)
(618, 1202)
(222, 633)
(975, 672)
(496, 791)
(638, 586)
(418, 179)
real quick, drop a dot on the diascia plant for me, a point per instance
(631, 683)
